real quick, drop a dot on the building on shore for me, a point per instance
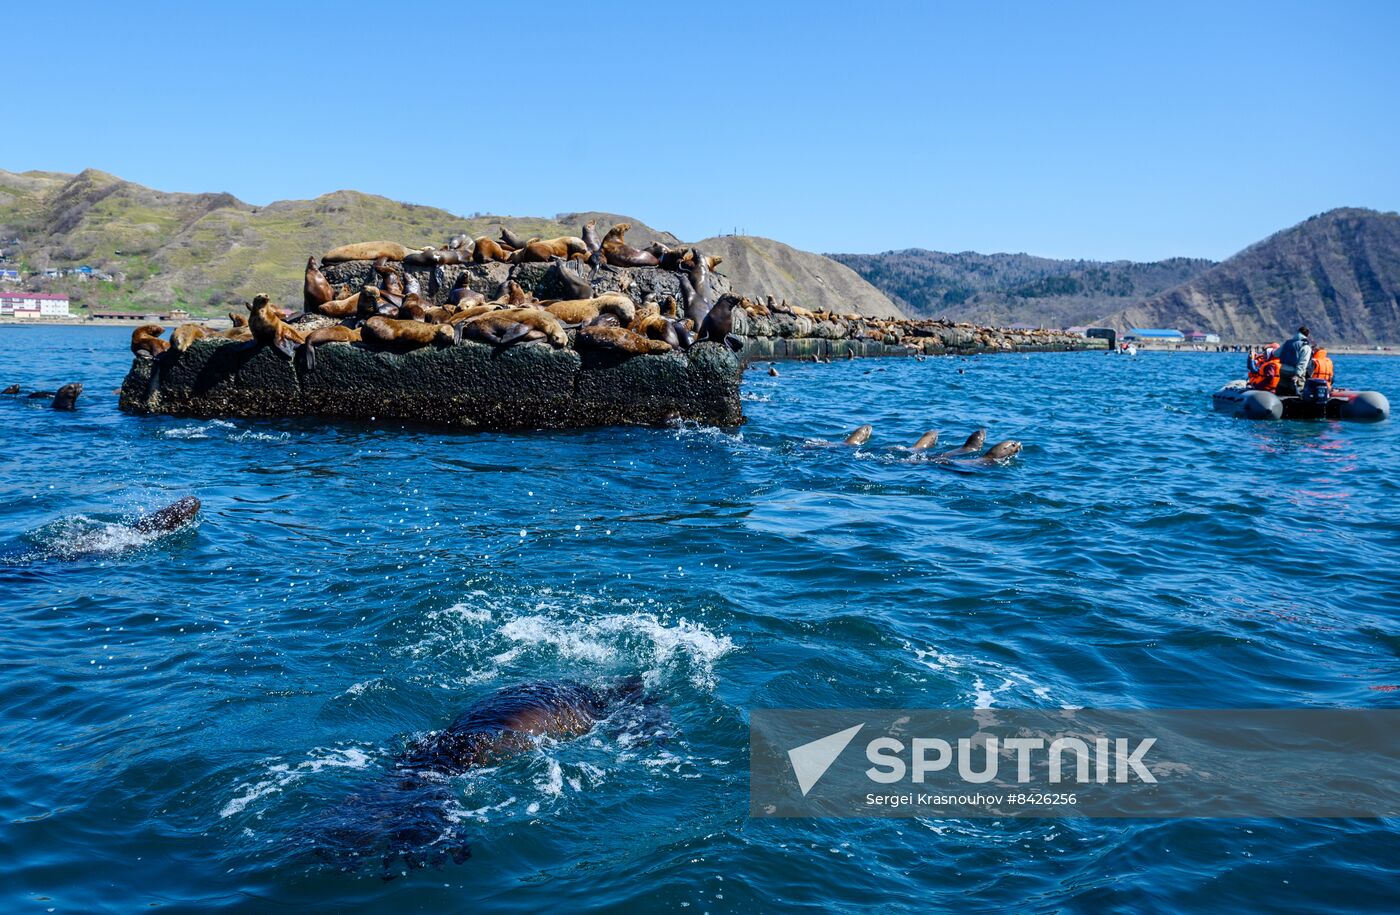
(1154, 335)
(33, 305)
(1200, 336)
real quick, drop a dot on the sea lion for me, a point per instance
(174, 516)
(316, 291)
(772, 372)
(67, 396)
(718, 324)
(510, 238)
(467, 312)
(670, 308)
(405, 814)
(185, 335)
(974, 444)
(927, 440)
(513, 294)
(372, 302)
(510, 326)
(366, 251)
(574, 286)
(594, 244)
(336, 333)
(146, 342)
(269, 329)
(488, 249)
(697, 303)
(860, 436)
(619, 340)
(238, 319)
(539, 251)
(655, 327)
(666, 258)
(1001, 451)
(618, 253)
(581, 311)
(393, 284)
(12, 389)
(393, 334)
(463, 294)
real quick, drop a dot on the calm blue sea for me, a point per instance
(176, 711)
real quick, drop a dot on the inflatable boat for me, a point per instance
(1358, 406)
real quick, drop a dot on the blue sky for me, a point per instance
(1114, 130)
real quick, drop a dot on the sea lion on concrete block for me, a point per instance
(67, 396)
(186, 334)
(619, 340)
(316, 290)
(488, 249)
(655, 327)
(511, 240)
(618, 253)
(539, 251)
(146, 342)
(393, 334)
(574, 286)
(269, 329)
(340, 308)
(366, 251)
(718, 324)
(463, 294)
(581, 311)
(510, 326)
(372, 302)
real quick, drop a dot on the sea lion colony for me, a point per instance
(389, 313)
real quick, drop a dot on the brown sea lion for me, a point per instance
(927, 440)
(12, 389)
(591, 239)
(67, 396)
(467, 312)
(316, 291)
(372, 302)
(488, 249)
(618, 253)
(240, 334)
(697, 302)
(580, 311)
(185, 335)
(670, 308)
(366, 251)
(268, 328)
(619, 340)
(380, 332)
(146, 341)
(172, 517)
(974, 444)
(1001, 451)
(340, 308)
(772, 372)
(514, 295)
(510, 326)
(462, 293)
(860, 436)
(238, 319)
(336, 333)
(392, 284)
(655, 327)
(569, 247)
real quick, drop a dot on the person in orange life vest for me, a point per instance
(1264, 369)
(1321, 366)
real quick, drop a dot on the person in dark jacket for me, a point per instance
(1294, 356)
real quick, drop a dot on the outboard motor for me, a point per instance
(1317, 391)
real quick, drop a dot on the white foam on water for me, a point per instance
(1009, 683)
(280, 775)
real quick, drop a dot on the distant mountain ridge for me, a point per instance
(1337, 272)
(1003, 289)
(212, 252)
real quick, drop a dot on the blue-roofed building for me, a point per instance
(1156, 334)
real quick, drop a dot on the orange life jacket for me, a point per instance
(1269, 372)
(1322, 366)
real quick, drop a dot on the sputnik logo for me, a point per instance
(811, 760)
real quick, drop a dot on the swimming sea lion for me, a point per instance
(366, 251)
(974, 444)
(269, 329)
(316, 290)
(67, 396)
(146, 342)
(380, 332)
(12, 389)
(1001, 451)
(172, 517)
(772, 372)
(186, 334)
(860, 436)
(510, 326)
(619, 340)
(617, 252)
(575, 286)
(927, 440)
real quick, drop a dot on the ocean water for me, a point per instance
(177, 711)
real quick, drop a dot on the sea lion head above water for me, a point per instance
(860, 436)
(67, 396)
(927, 440)
(1002, 451)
